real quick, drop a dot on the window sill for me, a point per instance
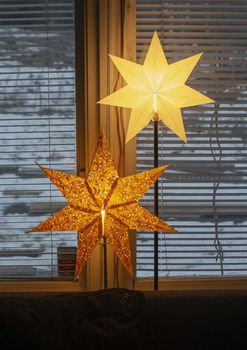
(194, 284)
(39, 286)
(170, 284)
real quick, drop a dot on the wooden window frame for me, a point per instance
(38, 285)
(90, 86)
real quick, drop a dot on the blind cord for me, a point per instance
(217, 158)
(103, 252)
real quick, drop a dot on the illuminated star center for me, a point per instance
(155, 102)
(156, 115)
(103, 215)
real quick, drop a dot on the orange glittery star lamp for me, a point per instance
(156, 90)
(103, 205)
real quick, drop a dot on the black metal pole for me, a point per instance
(105, 262)
(156, 208)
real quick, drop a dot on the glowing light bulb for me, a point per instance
(155, 116)
(155, 102)
(102, 213)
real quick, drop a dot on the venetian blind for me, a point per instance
(37, 123)
(204, 192)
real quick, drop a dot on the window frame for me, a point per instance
(43, 285)
(88, 89)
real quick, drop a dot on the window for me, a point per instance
(204, 192)
(37, 117)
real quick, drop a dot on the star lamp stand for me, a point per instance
(103, 215)
(105, 262)
(156, 202)
(158, 90)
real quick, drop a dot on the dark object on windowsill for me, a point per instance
(66, 260)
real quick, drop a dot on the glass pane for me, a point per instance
(204, 192)
(37, 118)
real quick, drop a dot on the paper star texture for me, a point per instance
(103, 204)
(156, 90)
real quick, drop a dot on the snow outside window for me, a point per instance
(37, 123)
